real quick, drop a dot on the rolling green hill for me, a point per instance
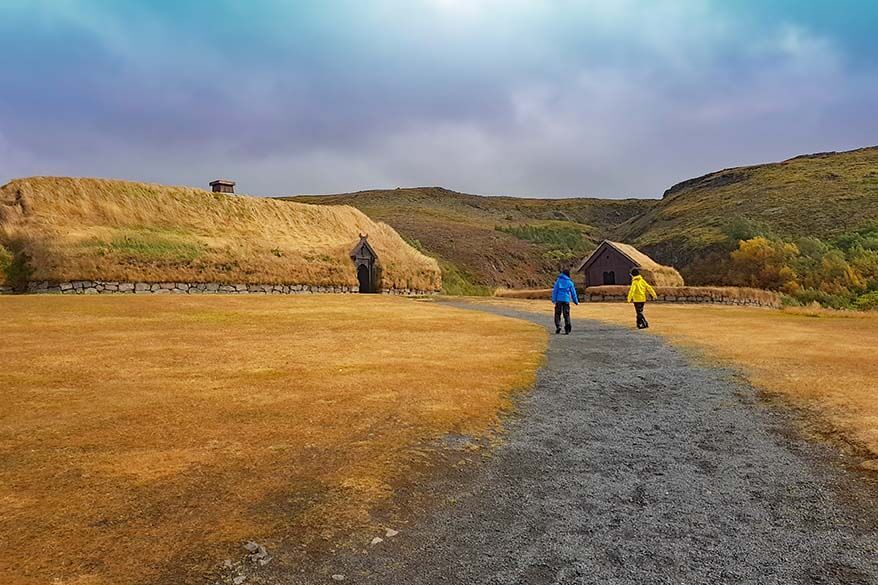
(486, 242)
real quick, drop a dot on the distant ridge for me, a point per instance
(521, 242)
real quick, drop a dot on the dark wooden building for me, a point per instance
(222, 186)
(366, 261)
(611, 263)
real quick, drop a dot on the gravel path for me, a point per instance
(629, 464)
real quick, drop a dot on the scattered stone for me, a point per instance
(239, 579)
(390, 533)
(377, 540)
(338, 577)
(258, 553)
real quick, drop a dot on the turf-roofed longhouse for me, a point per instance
(66, 229)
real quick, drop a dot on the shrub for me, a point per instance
(833, 274)
(763, 263)
(5, 264)
(557, 237)
(742, 228)
(868, 301)
(865, 238)
(14, 268)
(833, 301)
(455, 282)
(562, 242)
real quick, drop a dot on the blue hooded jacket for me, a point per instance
(564, 291)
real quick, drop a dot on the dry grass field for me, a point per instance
(94, 229)
(823, 360)
(142, 439)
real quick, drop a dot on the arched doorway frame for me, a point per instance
(366, 263)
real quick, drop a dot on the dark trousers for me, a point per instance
(562, 309)
(642, 323)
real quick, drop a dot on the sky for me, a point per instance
(543, 98)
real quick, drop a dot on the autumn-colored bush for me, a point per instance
(762, 263)
(841, 274)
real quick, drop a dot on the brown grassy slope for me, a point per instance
(460, 228)
(143, 439)
(821, 195)
(817, 195)
(116, 230)
(825, 364)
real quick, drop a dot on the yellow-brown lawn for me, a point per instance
(824, 361)
(143, 439)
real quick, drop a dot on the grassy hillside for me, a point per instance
(821, 195)
(817, 215)
(65, 229)
(829, 199)
(488, 242)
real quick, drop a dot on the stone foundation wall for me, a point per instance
(711, 295)
(96, 287)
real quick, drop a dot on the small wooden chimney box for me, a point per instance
(222, 186)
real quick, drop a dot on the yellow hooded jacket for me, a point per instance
(639, 289)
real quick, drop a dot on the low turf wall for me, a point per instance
(95, 287)
(668, 294)
(751, 297)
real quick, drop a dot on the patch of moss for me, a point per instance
(14, 269)
(564, 239)
(5, 263)
(868, 302)
(150, 245)
(456, 282)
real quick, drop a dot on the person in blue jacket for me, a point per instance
(563, 293)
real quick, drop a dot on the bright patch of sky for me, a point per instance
(521, 97)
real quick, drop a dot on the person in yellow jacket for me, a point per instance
(637, 295)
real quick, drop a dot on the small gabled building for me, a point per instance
(366, 262)
(611, 263)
